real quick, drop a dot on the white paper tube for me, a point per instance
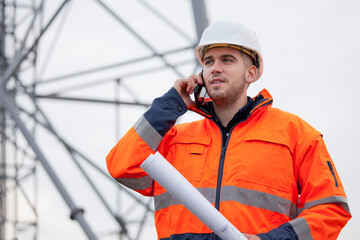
(181, 189)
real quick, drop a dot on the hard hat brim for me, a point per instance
(255, 56)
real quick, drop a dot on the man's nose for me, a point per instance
(216, 68)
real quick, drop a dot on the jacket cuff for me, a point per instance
(165, 110)
(284, 232)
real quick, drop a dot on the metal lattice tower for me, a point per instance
(24, 122)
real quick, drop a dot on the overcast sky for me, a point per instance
(311, 56)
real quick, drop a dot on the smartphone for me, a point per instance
(199, 93)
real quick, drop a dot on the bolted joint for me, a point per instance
(75, 212)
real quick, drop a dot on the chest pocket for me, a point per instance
(268, 160)
(188, 154)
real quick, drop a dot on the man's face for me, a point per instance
(224, 75)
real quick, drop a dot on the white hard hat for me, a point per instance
(231, 34)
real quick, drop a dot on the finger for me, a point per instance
(180, 85)
(247, 235)
(188, 84)
(196, 79)
(200, 78)
(191, 86)
(192, 80)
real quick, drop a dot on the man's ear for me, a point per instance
(251, 74)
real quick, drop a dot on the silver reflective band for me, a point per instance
(165, 199)
(141, 183)
(260, 200)
(302, 229)
(332, 199)
(244, 196)
(148, 133)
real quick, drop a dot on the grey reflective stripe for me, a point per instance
(332, 199)
(260, 200)
(165, 200)
(148, 133)
(302, 229)
(244, 196)
(141, 183)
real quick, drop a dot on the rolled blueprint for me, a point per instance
(181, 189)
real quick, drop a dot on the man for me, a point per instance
(267, 171)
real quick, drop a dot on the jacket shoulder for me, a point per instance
(275, 125)
(289, 120)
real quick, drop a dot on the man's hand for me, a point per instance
(186, 86)
(251, 237)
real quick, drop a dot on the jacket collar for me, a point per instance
(261, 100)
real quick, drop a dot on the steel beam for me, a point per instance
(200, 16)
(76, 212)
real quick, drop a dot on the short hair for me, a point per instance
(248, 61)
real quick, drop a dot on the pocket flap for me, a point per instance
(185, 138)
(197, 149)
(276, 137)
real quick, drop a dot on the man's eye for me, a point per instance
(207, 62)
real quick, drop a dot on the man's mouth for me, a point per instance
(216, 80)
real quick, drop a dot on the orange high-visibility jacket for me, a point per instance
(269, 174)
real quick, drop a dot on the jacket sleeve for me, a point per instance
(322, 206)
(124, 160)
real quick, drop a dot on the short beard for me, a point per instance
(230, 96)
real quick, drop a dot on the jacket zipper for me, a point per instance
(224, 145)
(332, 172)
(221, 169)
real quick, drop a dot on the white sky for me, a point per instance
(311, 57)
